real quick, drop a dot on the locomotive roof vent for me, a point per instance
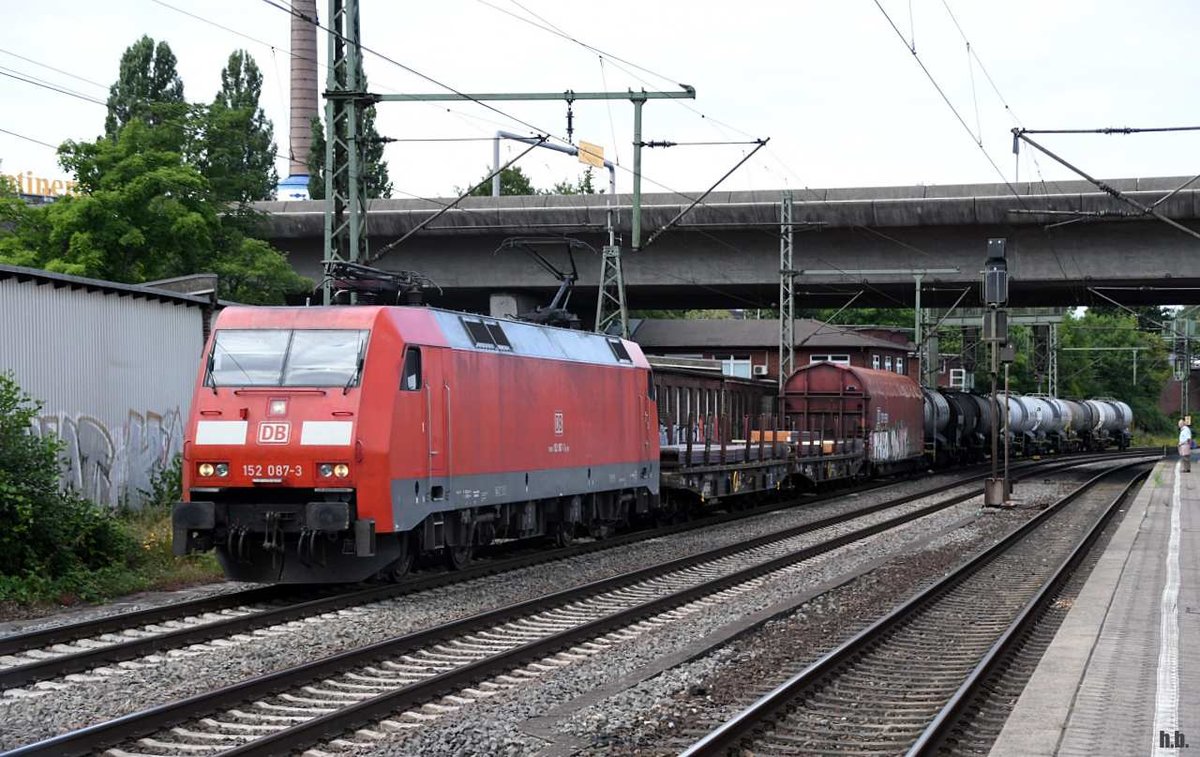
(486, 334)
(619, 351)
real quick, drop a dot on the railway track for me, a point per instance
(901, 684)
(300, 706)
(77, 647)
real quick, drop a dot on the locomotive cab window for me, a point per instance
(283, 357)
(410, 379)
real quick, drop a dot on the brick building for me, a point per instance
(751, 347)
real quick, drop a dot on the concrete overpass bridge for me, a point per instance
(1068, 244)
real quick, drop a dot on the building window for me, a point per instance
(900, 365)
(887, 363)
(875, 362)
(839, 359)
(958, 378)
(736, 365)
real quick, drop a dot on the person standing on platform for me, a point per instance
(1185, 446)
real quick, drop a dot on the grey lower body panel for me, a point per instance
(414, 500)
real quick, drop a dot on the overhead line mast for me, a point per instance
(346, 208)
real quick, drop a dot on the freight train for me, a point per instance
(340, 444)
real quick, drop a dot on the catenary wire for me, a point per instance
(56, 70)
(487, 106)
(45, 85)
(974, 138)
(30, 139)
(557, 31)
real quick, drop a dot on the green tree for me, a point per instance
(21, 228)
(148, 87)
(513, 181)
(144, 213)
(902, 317)
(584, 185)
(238, 150)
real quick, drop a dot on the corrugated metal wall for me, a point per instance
(115, 374)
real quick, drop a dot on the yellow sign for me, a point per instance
(591, 154)
(28, 184)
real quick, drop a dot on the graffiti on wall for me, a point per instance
(115, 466)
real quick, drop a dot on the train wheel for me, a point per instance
(564, 534)
(600, 530)
(458, 558)
(403, 566)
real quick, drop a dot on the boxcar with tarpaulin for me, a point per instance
(854, 421)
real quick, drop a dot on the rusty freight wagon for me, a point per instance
(853, 422)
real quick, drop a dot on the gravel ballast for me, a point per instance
(49, 708)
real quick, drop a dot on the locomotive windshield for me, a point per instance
(281, 357)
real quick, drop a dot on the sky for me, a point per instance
(833, 85)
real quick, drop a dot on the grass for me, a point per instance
(1146, 439)
(152, 566)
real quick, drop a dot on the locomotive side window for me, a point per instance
(410, 381)
(650, 389)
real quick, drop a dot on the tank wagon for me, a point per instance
(883, 422)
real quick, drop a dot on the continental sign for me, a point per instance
(28, 184)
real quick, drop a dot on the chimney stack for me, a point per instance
(304, 98)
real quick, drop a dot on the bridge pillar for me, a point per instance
(510, 304)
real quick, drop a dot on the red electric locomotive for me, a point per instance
(336, 444)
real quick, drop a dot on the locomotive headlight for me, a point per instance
(205, 469)
(325, 469)
(222, 469)
(341, 470)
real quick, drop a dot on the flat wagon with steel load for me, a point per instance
(719, 435)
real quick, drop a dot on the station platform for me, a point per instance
(1122, 675)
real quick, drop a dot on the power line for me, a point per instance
(45, 85)
(974, 53)
(410, 69)
(219, 26)
(30, 139)
(56, 70)
(557, 31)
(382, 85)
(974, 138)
(546, 26)
(1113, 130)
(494, 109)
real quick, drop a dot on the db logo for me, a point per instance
(274, 432)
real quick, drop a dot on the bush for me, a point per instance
(48, 533)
